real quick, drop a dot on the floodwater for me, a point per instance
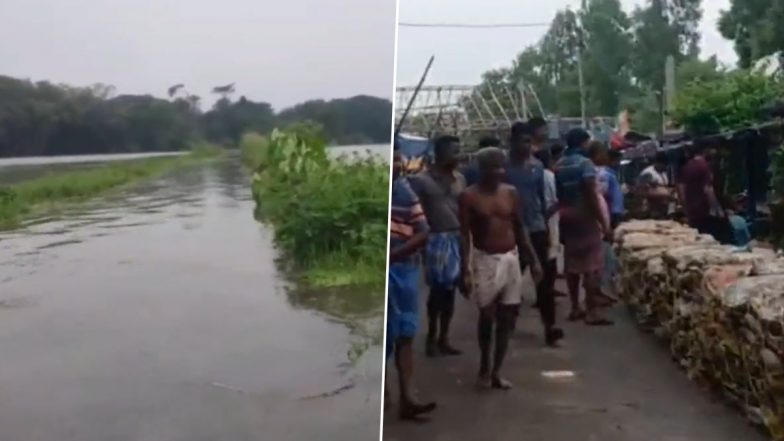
(18, 169)
(159, 313)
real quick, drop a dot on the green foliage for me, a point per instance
(46, 119)
(39, 119)
(755, 27)
(664, 28)
(607, 47)
(623, 58)
(705, 107)
(27, 198)
(253, 148)
(358, 120)
(330, 215)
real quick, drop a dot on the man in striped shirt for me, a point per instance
(408, 234)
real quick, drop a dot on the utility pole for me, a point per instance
(523, 102)
(581, 81)
(669, 91)
(580, 77)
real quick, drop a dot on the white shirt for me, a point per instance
(651, 176)
(550, 199)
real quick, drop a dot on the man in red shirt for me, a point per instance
(696, 190)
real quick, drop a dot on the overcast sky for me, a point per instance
(282, 52)
(462, 55)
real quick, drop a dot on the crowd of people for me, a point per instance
(483, 228)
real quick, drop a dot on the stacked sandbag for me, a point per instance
(686, 266)
(641, 272)
(752, 326)
(722, 310)
(699, 325)
(643, 278)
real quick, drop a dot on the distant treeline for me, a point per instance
(41, 118)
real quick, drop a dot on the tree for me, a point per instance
(664, 28)
(47, 119)
(730, 102)
(224, 91)
(694, 69)
(755, 27)
(608, 47)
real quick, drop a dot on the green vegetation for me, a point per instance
(47, 193)
(755, 27)
(329, 214)
(42, 119)
(622, 53)
(732, 101)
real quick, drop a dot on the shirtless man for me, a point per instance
(493, 238)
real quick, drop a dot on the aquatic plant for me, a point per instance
(329, 214)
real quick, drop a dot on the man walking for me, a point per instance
(438, 189)
(408, 233)
(494, 236)
(526, 174)
(584, 225)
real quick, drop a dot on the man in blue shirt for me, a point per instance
(584, 225)
(408, 234)
(526, 174)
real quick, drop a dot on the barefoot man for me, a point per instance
(438, 189)
(493, 238)
(408, 233)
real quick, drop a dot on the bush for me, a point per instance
(330, 215)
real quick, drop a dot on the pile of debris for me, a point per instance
(721, 309)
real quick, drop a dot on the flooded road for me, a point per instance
(13, 170)
(158, 313)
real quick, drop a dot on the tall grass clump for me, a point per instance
(329, 214)
(18, 201)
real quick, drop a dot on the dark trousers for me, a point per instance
(615, 220)
(441, 301)
(440, 308)
(545, 296)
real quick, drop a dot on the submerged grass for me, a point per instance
(28, 198)
(330, 215)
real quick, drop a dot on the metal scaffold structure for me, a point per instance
(471, 112)
(465, 110)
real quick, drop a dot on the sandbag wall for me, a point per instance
(721, 310)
